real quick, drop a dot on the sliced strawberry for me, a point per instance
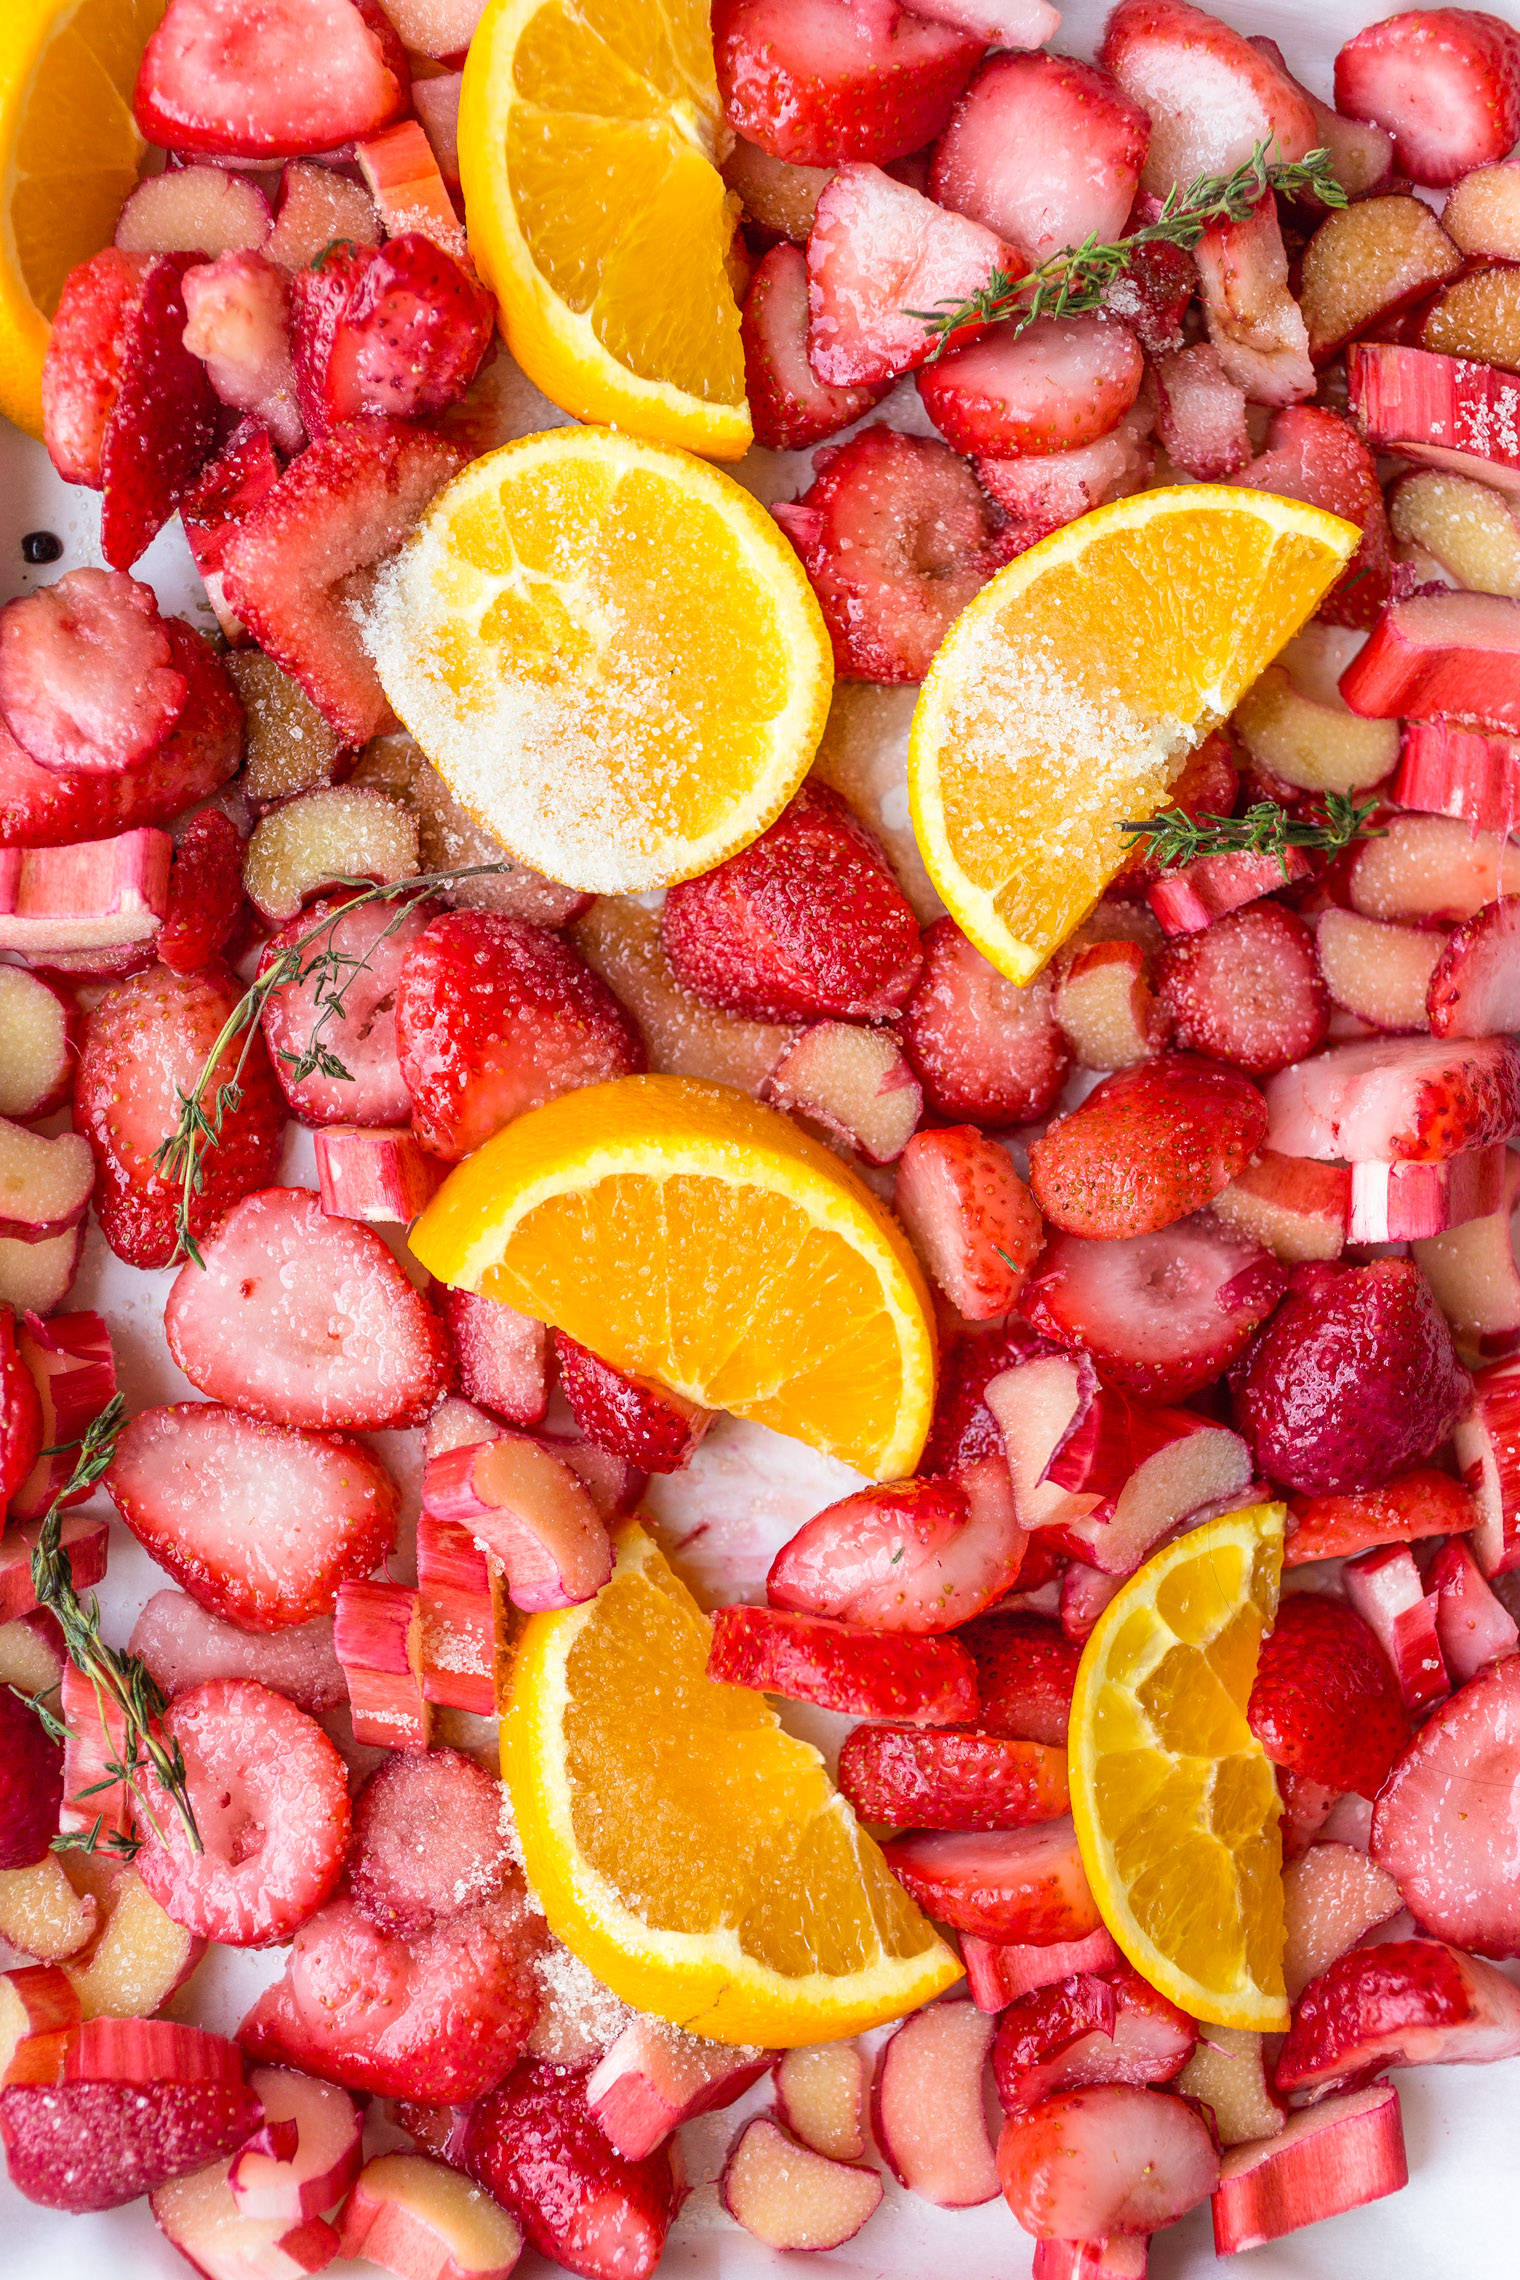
(88, 680)
(238, 312)
(1317, 456)
(906, 1556)
(1152, 296)
(428, 1840)
(1201, 414)
(1246, 990)
(145, 1046)
(1325, 1704)
(205, 893)
(398, 330)
(896, 536)
(1475, 988)
(1399, 1100)
(1088, 2029)
(841, 1666)
(1026, 1669)
(1043, 150)
(305, 1320)
(1042, 492)
(807, 922)
(951, 1781)
(87, 350)
(631, 1417)
(358, 1034)
(1146, 1147)
(1422, 1502)
(882, 257)
(1473, 1626)
(536, 2146)
(1253, 320)
(494, 1016)
(1444, 82)
(503, 1356)
(305, 76)
(301, 557)
(1015, 1884)
(221, 495)
(1113, 2160)
(21, 1427)
(1401, 2003)
(811, 81)
(971, 1219)
(258, 1524)
(791, 409)
(983, 1049)
(1211, 97)
(1059, 384)
(1447, 1849)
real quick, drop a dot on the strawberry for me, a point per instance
(878, 252)
(1317, 456)
(126, 408)
(1444, 82)
(536, 2147)
(951, 1781)
(398, 329)
(840, 1666)
(897, 536)
(1087, 2029)
(1207, 785)
(1152, 297)
(1354, 1378)
(304, 1320)
(1325, 1704)
(808, 922)
(1454, 1864)
(1011, 1884)
(225, 491)
(238, 324)
(1473, 1626)
(21, 1426)
(1026, 1669)
(441, 2016)
(1211, 97)
(1246, 990)
(1061, 383)
(791, 409)
(305, 75)
(1043, 150)
(631, 1417)
(1399, 1100)
(205, 894)
(810, 81)
(1201, 414)
(1418, 1503)
(1040, 493)
(1109, 2161)
(31, 1783)
(1254, 323)
(983, 1049)
(503, 1356)
(258, 1524)
(145, 1045)
(428, 1840)
(88, 682)
(270, 1798)
(1401, 2003)
(906, 1556)
(298, 560)
(494, 1016)
(358, 1035)
(971, 1219)
(1473, 985)
(1146, 1147)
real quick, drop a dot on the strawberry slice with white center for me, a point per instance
(1246, 990)
(1046, 489)
(1400, 2003)
(1060, 383)
(1405, 1099)
(291, 76)
(1044, 150)
(428, 1840)
(985, 1050)
(1115, 2159)
(907, 1556)
(1444, 82)
(817, 82)
(238, 309)
(1254, 321)
(790, 407)
(305, 1320)
(1446, 1821)
(88, 680)
(843, 1666)
(1210, 95)
(358, 1034)
(1201, 413)
(930, 1780)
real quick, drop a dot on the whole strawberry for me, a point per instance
(1147, 1147)
(1326, 1704)
(1353, 1378)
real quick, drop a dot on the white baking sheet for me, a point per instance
(1459, 2218)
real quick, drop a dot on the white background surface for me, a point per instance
(1459, 2219)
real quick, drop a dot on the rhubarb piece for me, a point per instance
(1447, 1859)
(840, 1666)
(1000, 1971)
(926, 2106)
(909, 1780)
(1470, 531)
(407, 187)
(1201, 414)
(1396, 1203)
(70, 1362)
(1482, 213)
(1088, 2029)
(1332, 1894)
(86, 901)
(1119, 2256)
(318, 205)
(31, 1784)
(815, 85)
(1085, 1592)
(97, 1802)
(41, 1915)
(290, 747)
(1246, 991)
(1021, 1885)
(238, 311)
(1478, 316)
(1400, 1100)
(1044, 151)
(1431, 866)
(1183, 1470)
(1296, 725)
(820, 2097)
(1227, 2073)
(1146, 1148)
(791, 409)
(685, 1036)
(904, 1556)
(324, 72)
(655, 2076)
(1338, 2156)
(1401, 2003)
(38, 1028)
(1469, 773)
(1473, 1627)
(37, 1277)
(1210, 95)
(1325, 1703)
(139, 1957)
(1476, 1280)
(1059, 384)
(1195, 894)
(1113, 2159)
(1296, 1207)
(790, 2197)
(971, 1219)
(531, 1512)
(326, 2158)
(986, 1051)
(1254, 322)
(84, 1544)
(1379, 972)
(450, 839)
(199, 2216)
(1441, 653)
(194, 209)
(1368, 261)
(536, 2147)
(421, 2220)
(1439, 410)
(377, 1637)
(459, 1609)
(852, 1082)
(1105, 1007)
(1444, 82)
(1413, 1504)
(45, 1189)
(38, 2006)
(328, 834)
(1485, 1441)
(32, 1653)
(385, 1178)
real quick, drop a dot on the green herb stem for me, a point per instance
(1174, 837)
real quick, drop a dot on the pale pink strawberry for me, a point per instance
(631, 1417)
(1254, 323)
(1444, 82)
(428, 1840)
(1400, 2003)
(315, 74)
(359, 1034)
(238, 323)
(536, 2146)
(985, 1051)
(1010, 1884)
(791, 408)
(1108, 2027)
(1147, 1147)
(904, 1556)
(881, 258)
(1452, 1864)
(1201, 413)
(88, 679)
(503, 1356)
(1315, 455)
(1113, 2160)
(811, 81)
(31, 1784)
(1325, 1705)
(843, 1666)
(1210, 95)
(1045, 490)
(1059, 384)
(1397, 1099)
(1246, 990)
(963, 1427)
(972, 1220)
(935, 1780)
(1044, 150)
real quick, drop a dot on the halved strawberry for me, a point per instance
(632, 1417)
(896, 535)
(1397, 1099)
(815, 82)
(205, 893)
(301, 557)
(931, 1780)
(1045, 490)
(1317, 456)
(535, 2145)
(844, 1667)
(357, 1035)
(1210, 95)
(881, 257)
(88, 680)
(984, 1050)
(906, 1556)
(1009, 1884)
(1108, 2027)
(145, 1045)
(1421, 1502)
(398, 329)
(503, 1356)
(1400, 2003)
(238, 312)
(1246, 990)
(791, 408)
(305, 1320)
(304, 75)
(1114, 2160)
(1026, 1669)
(495, 1015)
(428, 1840)
(1448, 1850)
(1044, 150)
(1325, 1703)
(1060, 383)
(1148, 1146)
(1444, 82)
(222, 494)
(972, 1220)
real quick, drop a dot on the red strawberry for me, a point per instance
(1044, 150)
(494, 1016)
(808, 922)
(270, 1798)
(88, 682)
(1354, 1378)
(1010, 1884)
(1146, 1147)
(1114, 2160)
(1088, 2029)
(905, 1556)
(1325, 1703)
(814, 82)
(897, 536)
(31, 1784)
(238, 312)
(951, 1781)
(305, 75)
(1413, 1504)
(205, 893)
(1444, 82)
(260, 1525)
(305, 1320)
(535, 2145)
(1026, 1668)
(1317, 456)
(1061, 383)
(1210, 95)
(1201, 414)
(982, 1048)
(1402, 2003)
(1152, 297)
(1398, 1100)
(222, 494)
(21, 1426)
(145, 1045)
(972, 1220)
(87, 349)
(632, 1417)
(397, 329)
(791, 409)
(428, 1840)
(1246, 990)
(840, 1666)
(360, 1035)
(880, 256)
(296, 563)
(1453, 1860)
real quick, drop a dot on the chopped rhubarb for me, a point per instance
(335, 832)
(1387, 1591)
(1440, 410)
(1339, 2155)
(820, 2097)
(655, 2076)
(1473, 1627)
(1296, 1207)
(1254, 322)
(383, 1177)
(408, 188)
(321, 2129)
(791, 2197)
(99, 897)
(852, 1082)
(1448, 768)
(459, 1596)
(926, 2106)
(1365, 263)
(1377, 971)
(377, 1636)
(1193, 896)
(1432, 866)
(532, 1514)
(1397, 1203)
(423, 2221)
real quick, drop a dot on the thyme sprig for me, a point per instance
(122, 1682)
(204, 1109)
(1175, 837)
(1073, 282)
